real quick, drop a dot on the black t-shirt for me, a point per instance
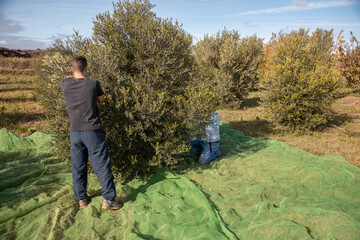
(80, 96)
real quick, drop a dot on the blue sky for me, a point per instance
(26, 24)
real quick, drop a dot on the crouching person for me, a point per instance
(207, 146)
(87, 139)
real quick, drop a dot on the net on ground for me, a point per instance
(260, 189)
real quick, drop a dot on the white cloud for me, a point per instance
(301, 5)
(60, 36)
(328, 24)
(250, 24)
(18, 42)
(9, 26)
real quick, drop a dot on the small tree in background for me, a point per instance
(229, 64)
(297, 78)
(145, 66)
(348, 56)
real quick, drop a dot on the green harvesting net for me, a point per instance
(260, 189)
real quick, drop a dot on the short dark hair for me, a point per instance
(79, 63)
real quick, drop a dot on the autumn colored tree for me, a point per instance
(348, 56)
(297, 78)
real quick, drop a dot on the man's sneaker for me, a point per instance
(83, 203)
(111, 205)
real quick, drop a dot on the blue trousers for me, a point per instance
(91, 143)
(208, 151)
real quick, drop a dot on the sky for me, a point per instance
(31, 24)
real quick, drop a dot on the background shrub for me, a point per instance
(299, 86)
(349, 59)
(145, 67)
(229, 64)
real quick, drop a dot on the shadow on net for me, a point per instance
(233, 143)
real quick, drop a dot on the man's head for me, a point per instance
(79, 64)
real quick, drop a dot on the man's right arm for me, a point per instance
(101, 99)
(100, 93)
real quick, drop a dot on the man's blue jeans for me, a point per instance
(208, 151)
(91, 143)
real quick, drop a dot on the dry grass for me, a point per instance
(17, 63)
(340, 137)
(19, 110)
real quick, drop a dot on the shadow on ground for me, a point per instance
(232, 143)
(11, 119)
(253, 128)
(16, 89)
(17, 99)
(251, 102)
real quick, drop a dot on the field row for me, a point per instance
(20, 112)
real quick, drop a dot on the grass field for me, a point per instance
(22, 114)
(13, 63)
(19, 110)
(340, 137)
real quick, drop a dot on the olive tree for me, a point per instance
(229, 64)
(298, 82)
(145, 67)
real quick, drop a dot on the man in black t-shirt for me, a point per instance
(87, 138)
